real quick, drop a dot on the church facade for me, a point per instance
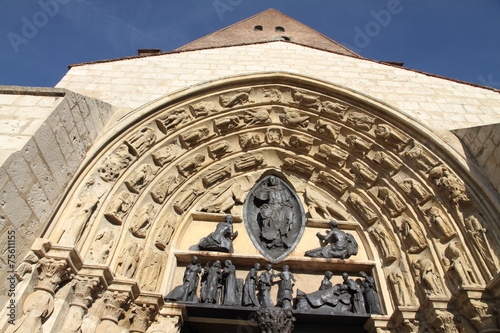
(159, 193)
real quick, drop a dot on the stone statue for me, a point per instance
(326, 283)
(129, 260)
(186, 292)
(250, 288)
(439, 225)
(265, 283)
(458, 267)
(141, 140)
(221, 239)
(385, 241)
(478, 235)
(360, 120)
(327, 129)
(102, 245)
(173, 119)
(389, 136)
(338, 244)
(370, 294)
(285, 291)
(230, 284)
(362, 174)
(362, 208)
(399, 288)
(321, 207)
(427, 277)
(211, 283)
(358, 302)
(412, 235)
(333, 108)
(390, 201)
(327, 299)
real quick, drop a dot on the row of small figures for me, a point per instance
(220, 286)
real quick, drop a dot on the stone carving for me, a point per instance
(439, 225)
(113, 301)
(418, 155)
(192, 165)
(203, 108)
(274, 136)
(142, 221)
(195, 137)
(187, 199)
(141, 141)
(426, 277)
(256, 117)
(361, 207)
(369, 290)
(415, 190)
(186, 292)
(152, 270)
(333, 108)
(219, 149)
(332, 154)
(305, 100)
(84, 293)
(362, 174)
(360, 120)
(26, 267)
(358, 302)
(234, 99)
(166, 154)
(249, 289)
(140, 315)
(327, 129)
(129, 259)
(165, 324)
(386, 163)
(165, 231)
(296, 165)
(230, 284)
(114, 164)
(272, 94)
(384, 241)
(119, 208)
(412, 235)
(478, 236)
(300, 142)
(274, 320)
(388, 199)
(274, 217)
(221, 240)
(332, 182)
(102, 245)
(165, 187)
(265, 283)
(224, 198)
(249, 161)
(83, 212)
(400, 288)
(357, 144)
(285, 290)
(250, 140)
(228, 124)
(320, 207)
(52, 273)
(294, 119)
(217, 175)
(459, 269)
(140, 178)
(335, 244)
(173, 119)
(211, 283)
(449, 183)
(388, 135)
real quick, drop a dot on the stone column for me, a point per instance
(141, 317)
(113, 303)
(84, 290)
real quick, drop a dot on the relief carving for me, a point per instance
(274, 136)
(386, 163)
(297, 165)
(327, 129)
(294, 119)
(141, 141)
(187, 199)
(390, 201)
(332, 155)
(83, 296)
(203, 108)
(300, 142)
(219, 149)
(449, 184)
(228, 124)
(459, 269)
(102, 245)
(357, 144)
(83, 212)
(191, 166)
(360, 121)
(195, 137)
(305, 100)
(388, 135)
(113, 165)
(400, 288)
(272, 94)
(415, 191)
(152, 270)
(119, 208)
(335, 244)
(234, 99)
(27, 266)
(332, 182)
(164, 231)
(173, 119)
(427, 278)
(166, 154)
(224, 198)
(322, 208)
(140, 178)
(478, 236)
(186, 292)
(256, 117)
(384, 240)
(113, 302)
(420, 157)
(165, 187)
(412, 235)
(249, 161)
(129, 259)
(221, 240)
(335, 109)
(140, 315)
(250, 140)
(217, 175)
(439, 225)
(142, 221)
(361, 207)
(362, 174)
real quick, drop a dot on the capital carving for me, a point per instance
(84, 291)
(113, 302)
(53, 272)
(141, 317)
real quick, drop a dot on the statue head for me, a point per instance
(328, 275)
(345, 276)
(333, 224)
(285, 268)
(268, 267)
(228, 263)
(217, 263)
(229, 219)
(363, 274)
(194, 260)
(256, 266)
(273, 180)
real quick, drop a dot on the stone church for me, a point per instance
(261, 178)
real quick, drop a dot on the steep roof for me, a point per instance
(269, 25)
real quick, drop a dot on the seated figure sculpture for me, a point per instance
(220, 240)
(336, 244)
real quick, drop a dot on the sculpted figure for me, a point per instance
(294, 118)
(333, 108)
(385, 241)
(439, 225)
(285, 291)
(165, 187)
(415, 191)
(369, 290)
(389, 136)
(142, 221)
(333, 154)
(272, 94)
(164, 231)
(187, 199)
(458, 267)
(250, 288)
(337, 244)
(305, 100)
(478, 236)
(300, 142)
(203, 108)
(449, 183)
(256, 116)
(412, 235)
(386, 163)
(113, 165)
(228, 124)
(390, 201)
(141, 141)
(239, 98)
(321, 207)
(191, 165)
(166, 154)
(426, 277)
(418, 155)
(173, 119)
(129, 260)
(327, 129)
(297, 165)
(195, 137)
(216, 175)
(186, 292)
(225, 198)
(360, 120)
(219, 149)
(250, 140)
(362, 174)
(274, 136)
(151, 270)
(230, 284)
(358, 302)
(249, 161)
(80, 218)
(221, 239)
(265, 283)
(103, 243)
(328, 298)
(332, 182)
(140, 179)
(357, 144)
(399, 288)
(361, 207)
(211, 283)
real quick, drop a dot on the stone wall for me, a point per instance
(46, 133)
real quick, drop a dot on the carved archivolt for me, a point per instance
(184, 156)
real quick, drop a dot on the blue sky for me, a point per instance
(454, 38)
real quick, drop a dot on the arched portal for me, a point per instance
(167, 173)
